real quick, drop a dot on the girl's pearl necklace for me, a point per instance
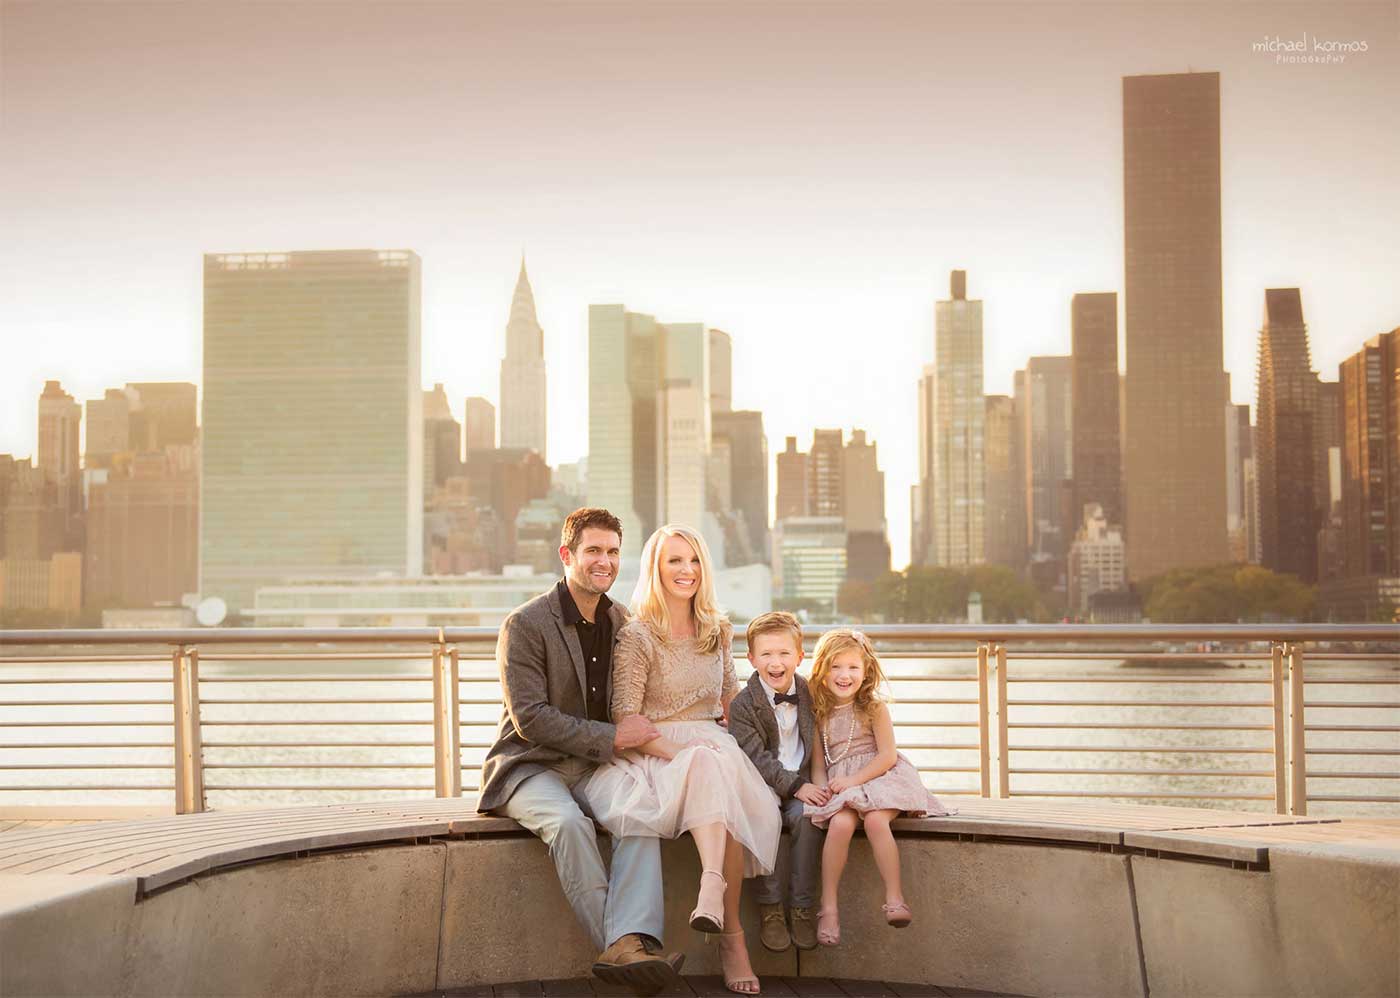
(850, 737)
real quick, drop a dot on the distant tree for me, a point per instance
(1274, 595)
(1006, 597)
(935, 594)
(856, 598)
(1224, 594)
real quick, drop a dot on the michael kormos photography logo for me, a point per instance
(1308, 48)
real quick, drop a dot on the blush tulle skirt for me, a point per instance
(638, 794)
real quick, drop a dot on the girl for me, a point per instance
(856, 760)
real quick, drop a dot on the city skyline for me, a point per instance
(839, 218)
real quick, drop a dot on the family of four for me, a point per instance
(636, 721)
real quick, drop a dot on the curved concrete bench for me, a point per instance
(412, 897)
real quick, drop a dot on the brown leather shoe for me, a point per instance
(773, 932)
(636, 962)
(804, 928)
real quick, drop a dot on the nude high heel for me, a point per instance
(746, 981)
(708, 915)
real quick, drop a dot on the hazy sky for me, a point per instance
(801, 175)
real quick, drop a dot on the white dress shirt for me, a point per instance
(790, 747)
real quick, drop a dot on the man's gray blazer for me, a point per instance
(543, 685)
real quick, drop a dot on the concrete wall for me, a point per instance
(1033, 919)
(1319, 922)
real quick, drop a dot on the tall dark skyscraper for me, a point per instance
(1096, 452)
(1175, 392)
(1286, 448)
(1371, 458)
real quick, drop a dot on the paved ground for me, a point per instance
(713, 987)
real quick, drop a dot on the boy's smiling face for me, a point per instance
(776, 657)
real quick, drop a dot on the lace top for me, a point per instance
(670, 680)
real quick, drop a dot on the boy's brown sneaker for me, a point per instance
(773, 932)
(804, 928)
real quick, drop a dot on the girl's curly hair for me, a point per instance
(831, 644)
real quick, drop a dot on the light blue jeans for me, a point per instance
(608, 906)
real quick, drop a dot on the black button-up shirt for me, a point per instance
(596, 639)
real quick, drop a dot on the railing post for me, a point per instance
(1003, 742)
(984, 726)
(189, 750)
(1280, 731)
(447, 757)
(1297, 740)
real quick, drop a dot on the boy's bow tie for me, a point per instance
(784, 698)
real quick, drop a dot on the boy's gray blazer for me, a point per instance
(542, 687)
(754, 726)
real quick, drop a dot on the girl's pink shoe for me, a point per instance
(828, 927)
(898, 915)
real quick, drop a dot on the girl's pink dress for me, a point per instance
(899, 787)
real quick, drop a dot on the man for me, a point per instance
(555, 656)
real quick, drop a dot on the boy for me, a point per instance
(772, 721)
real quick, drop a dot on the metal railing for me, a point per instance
(227, 730)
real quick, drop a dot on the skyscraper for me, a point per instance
(742, 432)
(1174, 469)
(1047, 409)
(1004, 520)
(648, 420)
(58, 455)
(442, 439)
(109, 422)
(1327, 444)
(313, 418)
(863, 503)
(921, 494)
(480, 420)
(825, 465)
(165, 416)
(522, 373)
(685, 423)
(1370, 381)
(957, 412)
(143, 532)
(1288, 520)
(1096, 454)
(792, 482)
(721, 371)
(1241, 483)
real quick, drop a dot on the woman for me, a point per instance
(673, 664)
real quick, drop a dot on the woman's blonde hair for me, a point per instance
(831, 644)
(649, 598)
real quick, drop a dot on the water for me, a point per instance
(389, 752)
